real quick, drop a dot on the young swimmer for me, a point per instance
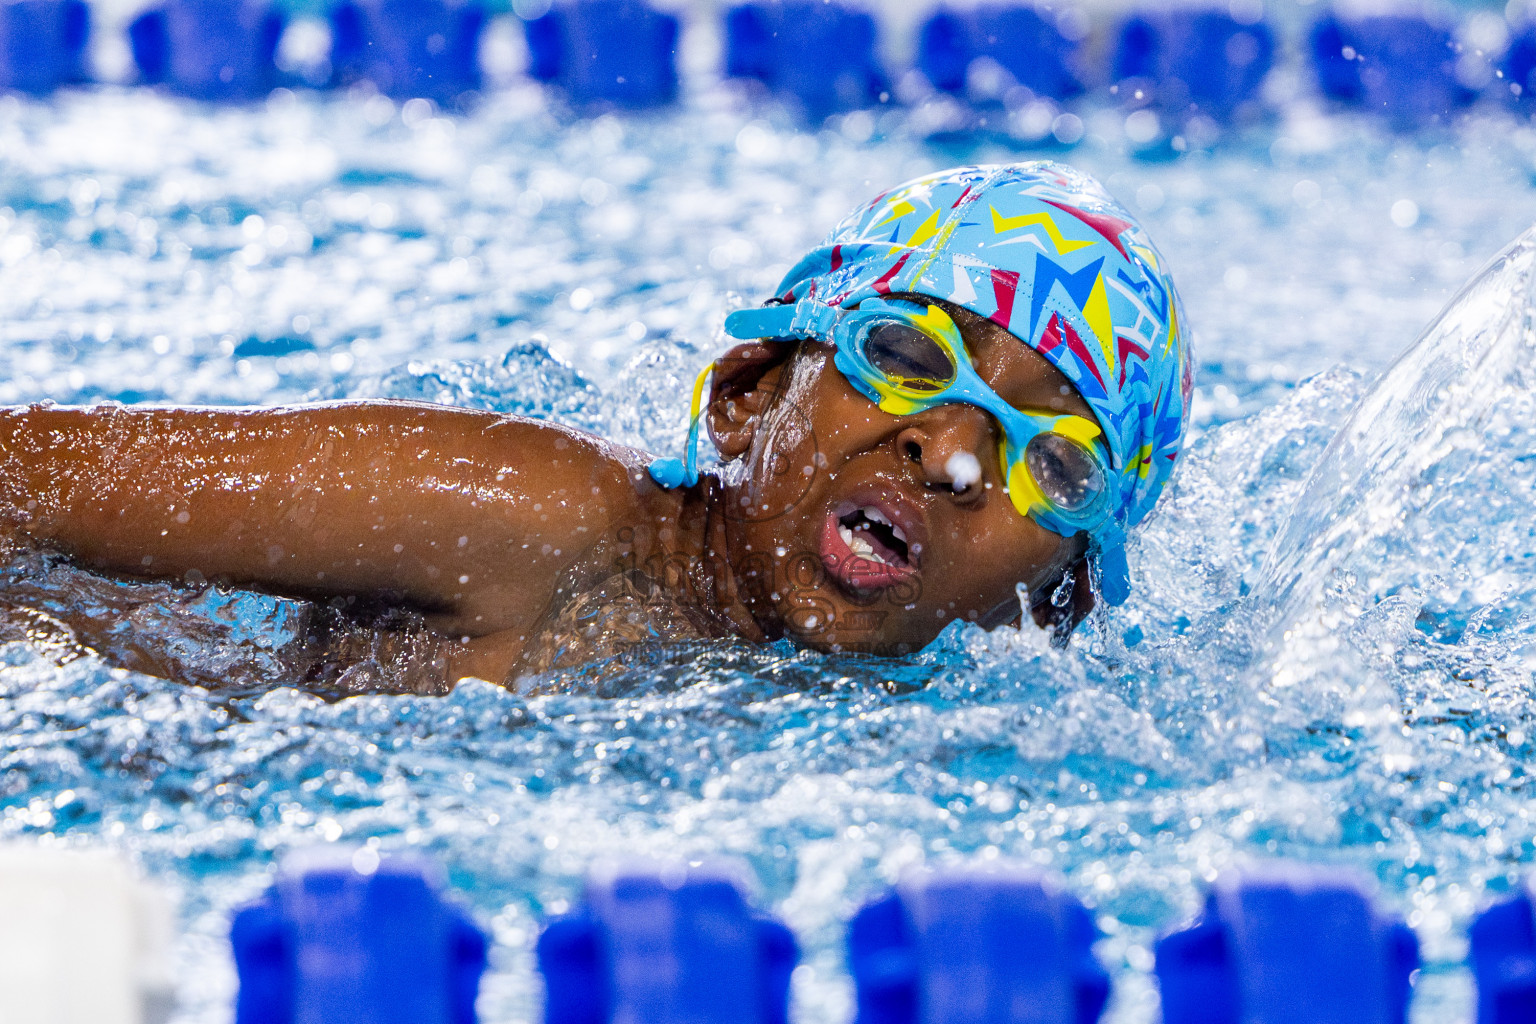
(980, 380)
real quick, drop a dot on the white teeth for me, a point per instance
(860, 547)
(874, 515)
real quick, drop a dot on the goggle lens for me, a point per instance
(1067, 475)
(908, 357)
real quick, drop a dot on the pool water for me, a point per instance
(1328, 654)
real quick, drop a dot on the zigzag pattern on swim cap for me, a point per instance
(1042, 250)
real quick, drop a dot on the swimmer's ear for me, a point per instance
(1061, 620)
(745, 381)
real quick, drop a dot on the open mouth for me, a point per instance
(874, 538)
(872, 541)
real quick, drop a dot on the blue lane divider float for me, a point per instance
(666, 945)
(622, 52)
(1193, 61)
(1180, 62)
(1503, 955)
(355, 939)
(993, 945)
(1288, 944)
(42, 44)
(1399, 65)
(208, 49)
(822, 54)
(1035, 52)
(427, 48)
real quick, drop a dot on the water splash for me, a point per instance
(1429, 447)
(578, 269)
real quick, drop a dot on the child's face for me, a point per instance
(868, 531)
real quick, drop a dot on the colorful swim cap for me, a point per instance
(1042, 250)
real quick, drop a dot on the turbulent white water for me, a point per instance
(1327, 655)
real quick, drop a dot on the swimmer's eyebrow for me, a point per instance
(1030, 382)
(1062, 398)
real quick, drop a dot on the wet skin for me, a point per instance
(815, 450)
(486, 523)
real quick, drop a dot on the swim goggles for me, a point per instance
(908, 359)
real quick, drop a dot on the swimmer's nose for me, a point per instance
(947, 447)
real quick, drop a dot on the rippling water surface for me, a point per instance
(1328, 655)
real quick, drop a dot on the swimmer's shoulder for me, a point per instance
(600, 480)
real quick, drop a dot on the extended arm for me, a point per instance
(468, 515)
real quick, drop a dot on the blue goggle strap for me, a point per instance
(1114, 571)
(805, 319)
